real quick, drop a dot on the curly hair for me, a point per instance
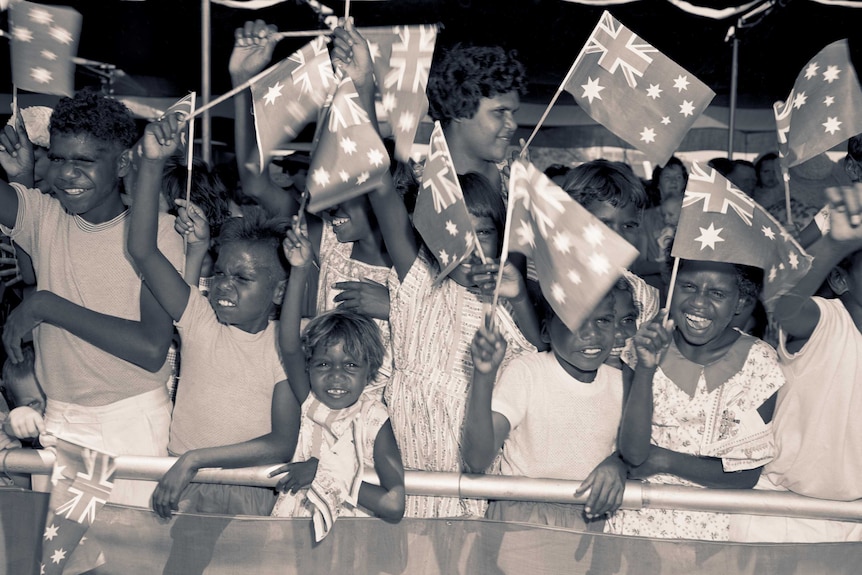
(605, 181)
(357, 333)
(90, 112)
(208, 192)
(466, 74)
(256, 227)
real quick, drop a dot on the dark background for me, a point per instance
(157, 42)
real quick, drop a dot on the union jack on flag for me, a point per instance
(578, 258)
(44, 41)
(720, 223)
(824, 107)
(635, 91)
(288, 98)
(402, 60)
(82, 480)
(441, 216)
(350, 157)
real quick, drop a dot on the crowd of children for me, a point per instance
(326, 345)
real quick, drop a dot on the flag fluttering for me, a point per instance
(441, 216)
(722, 224)
(82, 481)
(288, 98)
(824, 107)
(402, 60)
(184, 108)
(635, 91)
(350, 157)
(577, 257)
(44, 41)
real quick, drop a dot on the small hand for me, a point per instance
(351, 54)
(606, 484)
(166, 497)
(297, 475)
(161, 138)
(366, 296)
(16, 150)
(652, 340)
(19, 324)
(254, 44)
(488, 350)
(845, 213)
(24, 423)
(191, 222)
(653, 465)
(10, 274)
(297, 248)
(484, 276)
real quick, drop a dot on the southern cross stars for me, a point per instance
(832, 124)
(681, 83)
(654, 91)
(648, 135)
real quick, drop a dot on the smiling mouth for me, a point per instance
(337, 222)
(336, 393)
(697, 322)
(225, 303)
(592, 351)
(73, 191)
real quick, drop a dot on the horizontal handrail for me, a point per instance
(637, 495)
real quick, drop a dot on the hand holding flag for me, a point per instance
(44, 43)
(719, 223)
(577, 257)
(635, 91)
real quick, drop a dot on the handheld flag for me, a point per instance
(287, 99)
(184, 108)
(635, 91)
(441, 216)
(719, 223)
(824, 107)
(577, 257)
(350, 157)
(44, 43)
(402, 60)
(82, 479)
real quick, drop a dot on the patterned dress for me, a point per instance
(708, 411)
(432, 329)
(337, 266)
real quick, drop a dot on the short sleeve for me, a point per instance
(512, 391)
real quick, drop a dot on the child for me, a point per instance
(28, 404)
(700, 403)
(234, 407)
(816, 427)
(555, 414)
(626, 321)
(353, 265)
(342, 429)
(611, 192)
(101, 338)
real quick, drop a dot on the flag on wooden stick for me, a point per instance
(441, 216)
(635, 91)
(720, 223)
(578, 258)
(43, 45)
(350, 157)
(288, 98)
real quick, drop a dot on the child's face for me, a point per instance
(705, 300)
(349, 220)
(85, 174)
(624, 220)
(246, 285)
(581, 353)
(488, 237)
(625, 325)
(488, 132)
(337, 378)
(670, 208)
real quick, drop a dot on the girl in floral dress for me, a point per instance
(701, 416)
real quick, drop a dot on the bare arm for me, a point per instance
(706, 471)
(274, 447)
(297, 250)
(387, 499)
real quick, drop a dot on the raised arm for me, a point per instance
(253, 47)
(18, 161)
(795, 312)
(484, 430)
(168, 286)
(297, 250)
